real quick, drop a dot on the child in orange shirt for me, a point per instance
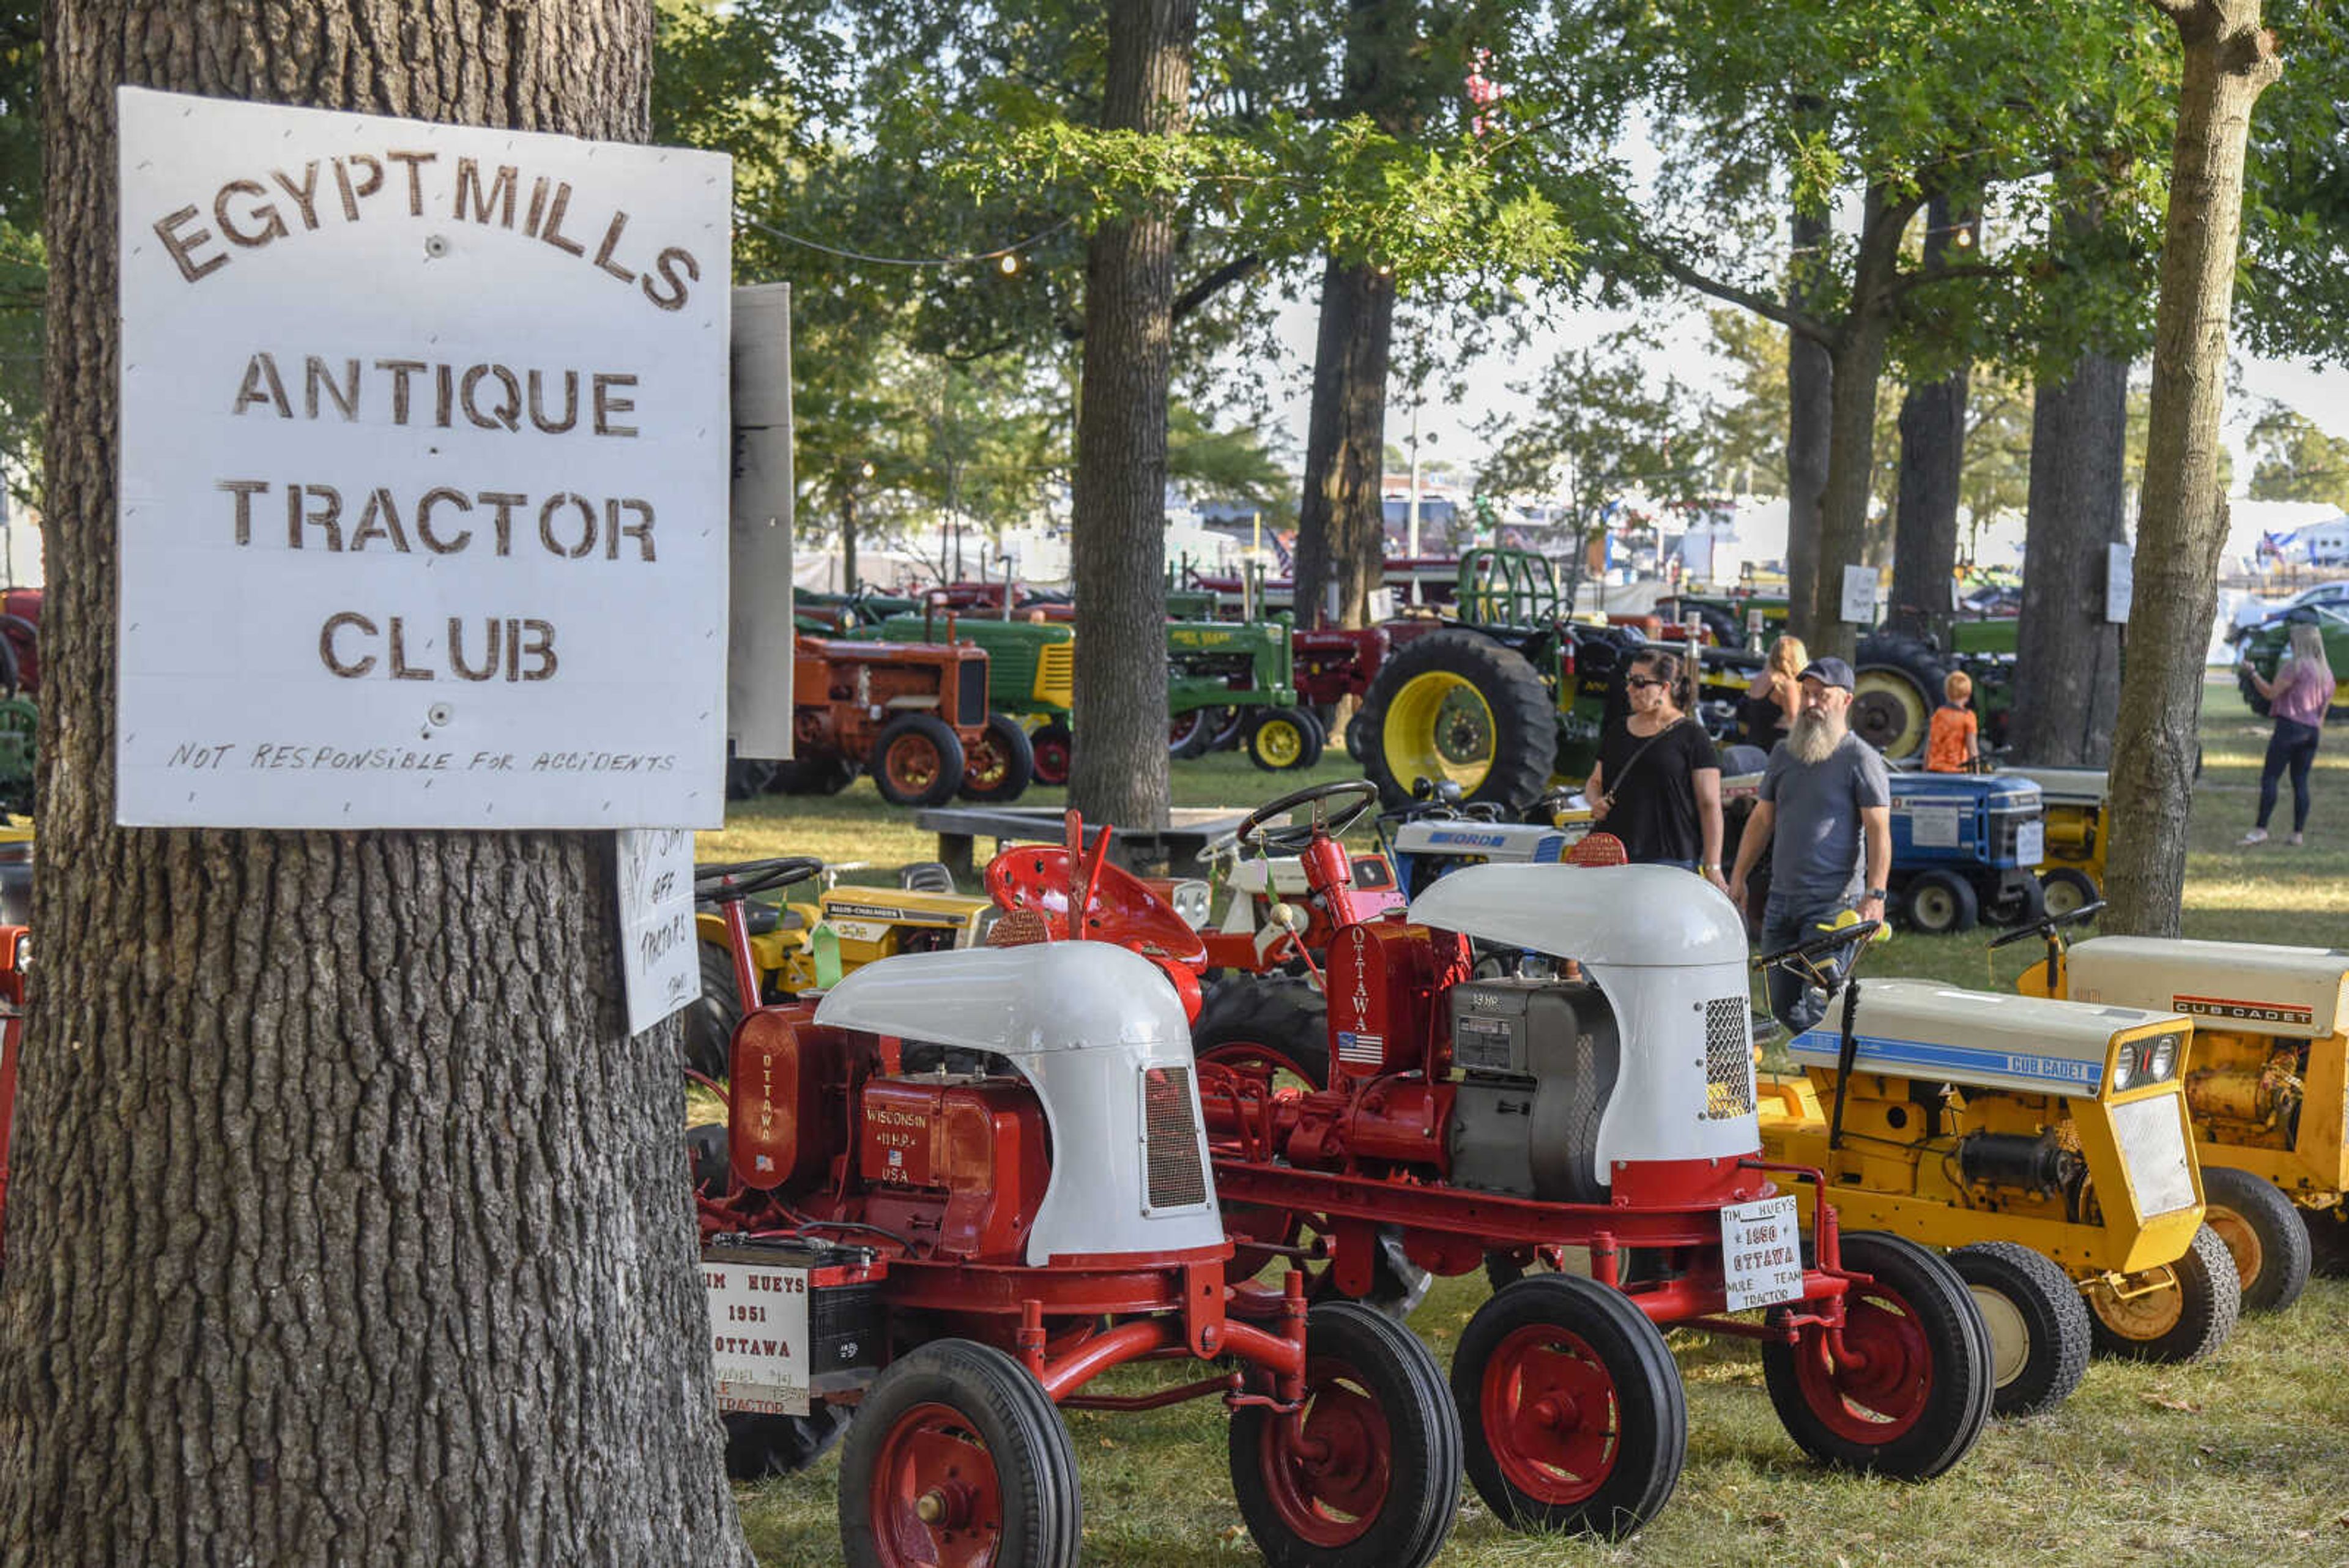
(1951, 746)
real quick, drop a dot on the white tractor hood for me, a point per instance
(1018, 1001)
(1630, 916)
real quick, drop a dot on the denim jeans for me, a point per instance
(1784, 924)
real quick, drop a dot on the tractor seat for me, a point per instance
(925, 877)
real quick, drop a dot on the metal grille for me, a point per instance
(1728, 1059)
(1056, 674)
(973, 693)
(2152, 1139)
(1171, 1139)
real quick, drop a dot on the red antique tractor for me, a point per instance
(962, 1186)
(1599, 1098)
(914, 715)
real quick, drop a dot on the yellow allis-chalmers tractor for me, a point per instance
(802, 945)
(2267, 1083)
(2045, 1142)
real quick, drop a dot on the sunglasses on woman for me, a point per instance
(1643, 682)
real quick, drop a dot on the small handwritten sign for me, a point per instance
(1761, 1253)
(1858, 594)
(759, 1336)
(658, 951)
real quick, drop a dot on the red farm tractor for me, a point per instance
(1599, 1098)
(962, 1186)
(914, 715)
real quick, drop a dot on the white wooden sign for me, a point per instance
(2120, 582)
(1859, 595)
(658, 952)
(424, 473)
(757, 1337)
(1761, 1253)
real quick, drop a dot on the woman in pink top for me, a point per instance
(2297, 699)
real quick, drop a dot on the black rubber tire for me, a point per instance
(2263, 1234)
(1894, 720)
(1912, 1281)
(710, 1020)
(748, 776)
(1008, 1412)
(2043, 1307)
(2066, 888)
(2213, 1299)
(1357, 736)
(1018, 762)
(1280, 740)
(1189, 735)
(1278, 1022)
(914, 730)
(2022, 908)
(1523, 712)
(1938, 903)
(2328, 1240)
(2252, 697)
(758, 1447)
(813, 776)
(1355, 1351)
(1649, 1407)
(1050, 744)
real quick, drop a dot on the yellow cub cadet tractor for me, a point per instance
(2267, 1082)
(2044, 1143)
(798, 947)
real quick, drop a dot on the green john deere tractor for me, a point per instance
(1508, 694)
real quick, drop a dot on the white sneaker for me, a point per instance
(2256, 835)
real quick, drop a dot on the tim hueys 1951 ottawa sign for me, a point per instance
(424, 475)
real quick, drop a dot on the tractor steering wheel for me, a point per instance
(1292, 838)
(1819, 946)
(2047, 925)
(741, 879)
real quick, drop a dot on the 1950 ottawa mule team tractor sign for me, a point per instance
(1472, 1122)
(961, 1187)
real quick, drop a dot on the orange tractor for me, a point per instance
(914, 715)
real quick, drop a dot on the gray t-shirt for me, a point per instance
(1818, 852)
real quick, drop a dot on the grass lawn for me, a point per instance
(2238, 1460)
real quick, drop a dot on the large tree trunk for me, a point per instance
(346, 1222)
(2068, 655)
(2182, 523)
(1341, 531)
(1810, 383)
(1118, 547)
(1932, 458)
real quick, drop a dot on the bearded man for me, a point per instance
(1825, 801)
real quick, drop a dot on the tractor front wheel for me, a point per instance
(2262, 1232)
(1571, 1408)
(1915, 1393)
(957, 1458)
(1279, 739)
(2066, 888)
(1367, 1474)
(1001, 764)
(2181, 1311)
(1051, 744)
(1940, 902)
(2038, 1324)
(917, 761)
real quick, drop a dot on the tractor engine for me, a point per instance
(1538, 1061)
(957, 1164)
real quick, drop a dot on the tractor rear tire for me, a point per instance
(1280, 1025)
(1001, 765)
(1899, 1414)
(917, 760)
(2187, 1321)
(942, 1400)
(758, 1447)
(2025, 907)
(1899, 685)
(1189, 735)
(1358, 737)
(1281, 739)
(2328, 1240)
(1456, 704)
(813, 776)
(748, 776)
(2263, 1234)
(2038, 1324)
(1617, 1466)
(1940, 903)
(1385, 1486)
(1051, 744)
(711, 1019)
(2066, 888)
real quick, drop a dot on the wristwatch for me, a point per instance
(1878, 894)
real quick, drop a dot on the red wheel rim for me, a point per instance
(935, 1500)
(1328, 1470)
(988, 763)
(1052, 762)
(1550, 1415)
(1882, 1389)
(913, 764)
(1250, 1053)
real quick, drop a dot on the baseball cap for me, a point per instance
(1828, 672)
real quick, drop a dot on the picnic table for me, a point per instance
(1176, 846)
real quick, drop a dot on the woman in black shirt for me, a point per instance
(1657, 786)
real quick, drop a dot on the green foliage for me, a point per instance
(2292, 460)
(1234, 465)
(24, 268)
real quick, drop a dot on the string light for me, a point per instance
(1007, 257)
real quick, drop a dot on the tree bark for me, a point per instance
(1810, 391)
(848, 537)
(347, 1223)
(2067, 656)
(1342, 533)
(1932, 458)
(2230, 59)
(1118, 549)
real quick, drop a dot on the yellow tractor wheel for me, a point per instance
(1456, 706)
(2178, 1312)
(1897, 686)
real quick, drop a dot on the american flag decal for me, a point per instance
(1353, 1046)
